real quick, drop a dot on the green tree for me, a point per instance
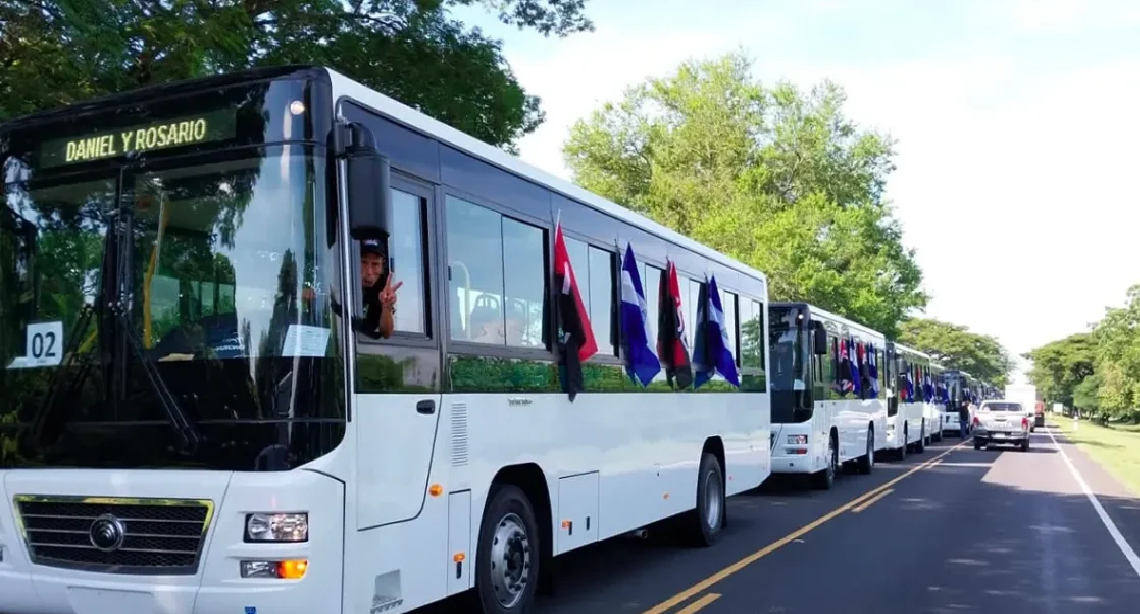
(1117, 339)
(1085, 394)
(955, 347)
(1059, 367)
(54, 52)
(776, 177)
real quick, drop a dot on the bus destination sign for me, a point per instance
(178, 132)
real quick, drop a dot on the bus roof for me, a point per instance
(836, 318)
(424, 124)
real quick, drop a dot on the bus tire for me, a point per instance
(825, 479)
(507, 560)
(920, 445)
(707, 520)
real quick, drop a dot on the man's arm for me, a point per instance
(386, 320)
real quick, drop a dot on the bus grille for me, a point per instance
(159, 537)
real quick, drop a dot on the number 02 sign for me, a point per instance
(45, 344)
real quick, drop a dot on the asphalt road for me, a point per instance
(951, 530)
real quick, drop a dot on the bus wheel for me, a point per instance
(707, 520)
(506, 565)
(825, 479)
(920, 445)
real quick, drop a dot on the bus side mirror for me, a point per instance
(369, 181)
(819, 339)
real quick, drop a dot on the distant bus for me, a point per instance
(198, 415)
(817, 424)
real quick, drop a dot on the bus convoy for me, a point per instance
(209, 405)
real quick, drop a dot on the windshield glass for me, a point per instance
(220, 264)
(1001, 407)
(788, 342)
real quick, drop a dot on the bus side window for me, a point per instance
(497, 276)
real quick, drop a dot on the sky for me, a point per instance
(1016, 136)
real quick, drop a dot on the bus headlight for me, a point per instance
(277, 527)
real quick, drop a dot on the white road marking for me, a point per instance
(1117, 537)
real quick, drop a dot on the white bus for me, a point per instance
(959, 386)
(906, 401)
(188, 423)
(819, 419)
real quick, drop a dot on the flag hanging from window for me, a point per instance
(672, 345)
(712, 353)
(845, 385)
(576, 343)
(641, 362)
(927, 386)
(909, 386)
(873, 368)
(856, 374)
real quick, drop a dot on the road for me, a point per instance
(951, 530)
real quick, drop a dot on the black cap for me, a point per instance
(371, 246)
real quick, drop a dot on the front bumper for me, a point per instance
(34, 586)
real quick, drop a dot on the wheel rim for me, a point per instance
(712, 499)
(510, 560)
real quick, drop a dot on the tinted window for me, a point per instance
(728, 304)
(601, 299)
(407, 245)
(1001, 407)
(651, 282)
(524, 263)
(751, 335)
(497, 286)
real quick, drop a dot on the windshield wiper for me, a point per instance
(120, 310)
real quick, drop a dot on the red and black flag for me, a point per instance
(672, 345)
(576, 342)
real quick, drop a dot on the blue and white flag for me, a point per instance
(641, 362)
(873, 369)
(711, 353)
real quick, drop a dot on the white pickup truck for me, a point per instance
(1001, 421)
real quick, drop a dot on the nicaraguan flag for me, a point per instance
(641, 362)
(712, 354)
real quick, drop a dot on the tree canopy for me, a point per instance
(1059, 367)
(55, 52)
(774, 176)
(1097, 371)
(956, 347)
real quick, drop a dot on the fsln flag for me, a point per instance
(711, 351)
(576, 341)
(672, 344)
(641, 362)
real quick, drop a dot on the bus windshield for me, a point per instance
(787, 339)
(191, 287)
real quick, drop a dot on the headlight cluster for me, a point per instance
(276, 528)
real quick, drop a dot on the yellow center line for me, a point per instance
(700, 603)
(708, 582)
(869, 502)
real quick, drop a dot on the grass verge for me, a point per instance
(1116, 448)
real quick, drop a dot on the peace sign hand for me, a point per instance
(388, 293)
